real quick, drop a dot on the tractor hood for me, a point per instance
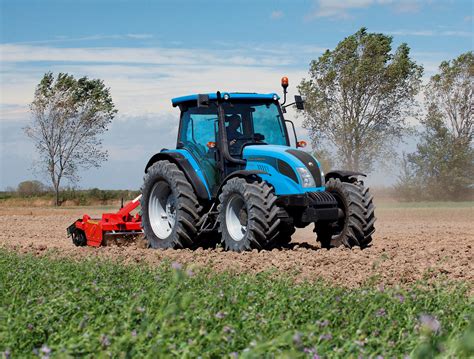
(284, 160)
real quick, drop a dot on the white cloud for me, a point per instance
(144, 79)
(277, 14)
(139, 55)
(453, 33)
(96, 37)
(406, 6)
(341, 9)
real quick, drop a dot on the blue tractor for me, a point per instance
(234, 176)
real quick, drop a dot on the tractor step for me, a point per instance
(91, 231)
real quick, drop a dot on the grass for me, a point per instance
(61, 308)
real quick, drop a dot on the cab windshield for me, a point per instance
(258, 122)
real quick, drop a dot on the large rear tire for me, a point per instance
(356, 226)
(170, 209)
(248, 215)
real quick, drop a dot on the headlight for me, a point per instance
(306, 179)
(323, 180)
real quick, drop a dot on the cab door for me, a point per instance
(197, 132)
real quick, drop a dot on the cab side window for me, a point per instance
(199, 127)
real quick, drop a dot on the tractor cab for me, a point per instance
(217, 131)
(216, 128)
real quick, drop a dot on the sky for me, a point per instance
(148, 52)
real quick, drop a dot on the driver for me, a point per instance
(232, 133)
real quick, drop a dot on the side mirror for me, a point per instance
(299, 102)
(203, 100)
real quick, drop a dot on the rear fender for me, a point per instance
(189, 167)
(344, 176)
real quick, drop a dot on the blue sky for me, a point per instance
(150, 51)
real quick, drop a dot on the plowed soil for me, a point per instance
(410, 244)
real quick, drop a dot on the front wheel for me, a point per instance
(357, 216)
(248, 215)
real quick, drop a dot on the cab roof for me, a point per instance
(232, 96)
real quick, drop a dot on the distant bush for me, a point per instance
(31, 188)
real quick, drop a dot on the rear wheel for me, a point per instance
(170, 209)
(79, 238)
(357, 216)
(248, 215)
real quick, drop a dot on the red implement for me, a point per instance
(91, 232)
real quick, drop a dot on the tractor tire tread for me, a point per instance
(359, 226)
(188, 209)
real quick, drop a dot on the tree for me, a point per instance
(358, 98)
(69, 116)
(451, 93)
(444, 161)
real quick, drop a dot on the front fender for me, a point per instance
(241, 174)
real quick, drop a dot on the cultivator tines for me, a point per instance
(92, 232)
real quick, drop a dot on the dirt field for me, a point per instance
(410, 244)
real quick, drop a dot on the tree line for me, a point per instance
(33, 189)
(362, 101)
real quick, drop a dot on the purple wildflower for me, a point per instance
(227, 329)
(327, 336)
(381, 312)
(220, 315)
(400, 297)
(323, 323)
(7, 354)
(134, 333)
(104, 340)
(45, 351)
(30, 326)
(234, 355)
(176, 265)
(430, 323)
(312, 351)
(297, 338)
(381, 287)
(189, 273)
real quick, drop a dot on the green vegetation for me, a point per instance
(86, 197)
(61, 308)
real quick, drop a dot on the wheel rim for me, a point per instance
(162, 210)
(236, 217)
